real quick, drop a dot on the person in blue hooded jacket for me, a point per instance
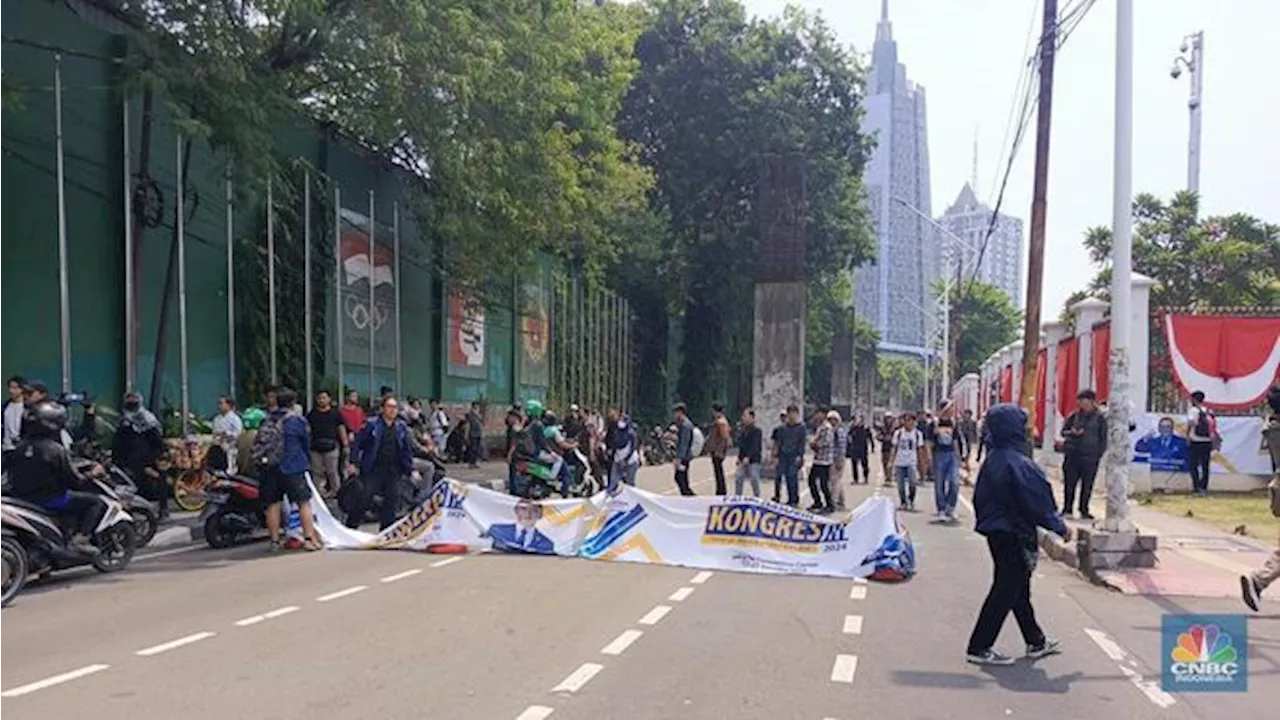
(383, 454)
(1011, 499)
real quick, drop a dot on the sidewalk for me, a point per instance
(1193, 558)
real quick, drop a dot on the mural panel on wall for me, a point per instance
(465, 337)
(535, 336)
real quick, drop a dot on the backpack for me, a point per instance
(268, 445)
(698, 441)
(1205, 424)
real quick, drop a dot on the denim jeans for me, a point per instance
(946, 481)
(789, 472)
(742, 474)
(623, 473)
(907, 478)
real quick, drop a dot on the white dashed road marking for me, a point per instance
(681, 594)
(622, 642)
(342, 593)
(859, 581)
(254, 620)
(536, 712)
(578, 678)
(852, 624)
(51, 681)
(401, 576)
(701, 577)
(653, 616)
(844, 668)
(174, 644)
(858, 592)
(447, 561)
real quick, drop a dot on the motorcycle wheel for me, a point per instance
(188, 490)
(145, 524)
(216, 535)
(116, 546)
(15, 570)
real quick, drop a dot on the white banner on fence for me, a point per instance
(1161, 440)
(717, 533)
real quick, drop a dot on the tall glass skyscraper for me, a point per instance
(893, 294)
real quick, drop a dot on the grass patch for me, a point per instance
(1226, 511)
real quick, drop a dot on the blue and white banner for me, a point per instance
(717, 532)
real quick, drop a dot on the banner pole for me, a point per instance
(231, 285)
(395, 229)
(373, 387)
(306, 284)
(130, 343)
(271, 279)
(64, 283)
(337, 286)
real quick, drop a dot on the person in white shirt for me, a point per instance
(13, 409)
(908, 449)
(437, 423)
(227, 429)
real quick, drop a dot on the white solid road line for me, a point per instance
(578, 678)
(535, 712)
(174, 644)
(692, 484)
(844, 668)
(965, 502)
(622, 642)
(701, 577)
(342, 593)
(51, 681)
(1109, 646)
(852, 624)
(858, 592)
(401, 576)
(653, 616)
(680, 594)
(255, 619)
(446, 561)
(1150, 688)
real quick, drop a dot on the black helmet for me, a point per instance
(47, 419)
(549, 419)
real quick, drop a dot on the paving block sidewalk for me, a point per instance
(1193, 558)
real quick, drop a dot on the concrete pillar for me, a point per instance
(842, 376)
(1054, 333)
(1015, 358)
(1087, 312)
(1140, 342)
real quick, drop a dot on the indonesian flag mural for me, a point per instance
(356, 264)
(1232, 360)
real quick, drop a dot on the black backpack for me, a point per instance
(268, 445)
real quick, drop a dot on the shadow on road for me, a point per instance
(1020, 678)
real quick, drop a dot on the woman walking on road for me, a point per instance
(1012, 499)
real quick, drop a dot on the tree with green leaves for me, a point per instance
(717, 91)
(983, 320)
(1218, 261)
(901, 380)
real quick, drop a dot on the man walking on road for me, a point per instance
(840, 437)
(1012, 498)
(1201, 432)
(750, 450)
(1085, 440)
(908, 457)
(947, 447)
(791, 454)
(382, 452)
(969, 431)
(328, 442)
(820, 473)
(888, 425)
(718, 447)
(684, 448)
(1251, 586)
(288, 477)
(858, 450)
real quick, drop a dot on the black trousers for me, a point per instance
(386, 484)
(1010, 591)
(88, 510)
(682, 480)
(1078, 471)
(717, 465)
(1198, 455)
(819, 476)
(860, 461)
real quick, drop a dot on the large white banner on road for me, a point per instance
(716, 533)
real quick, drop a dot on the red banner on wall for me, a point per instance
(1042, 368)
(1232, 360)
(1068, 371)
(1006, 384)
(1102, 361)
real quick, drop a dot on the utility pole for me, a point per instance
(1035, 258)
(1191, 56)
(1117, 458)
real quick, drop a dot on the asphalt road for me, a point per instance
(238, 633)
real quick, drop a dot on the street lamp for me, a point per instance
(1191, 56)
(946, 287)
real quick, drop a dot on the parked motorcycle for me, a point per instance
(13, 565)
(660, 447)
(35, 541)
(233, 509)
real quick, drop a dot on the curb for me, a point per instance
(1069, 554)
(173, 536)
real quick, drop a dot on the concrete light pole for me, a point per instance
(1191, 57)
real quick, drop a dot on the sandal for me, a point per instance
(311, 545)
(276, 545)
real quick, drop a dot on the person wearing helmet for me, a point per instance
(42, 474)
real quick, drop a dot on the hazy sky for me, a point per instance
(968, 54)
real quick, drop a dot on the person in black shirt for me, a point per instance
(859, 450)
(475, 435)
(750, 451)
(514, 421)
(774, 445)
(328, 443)
(791, 442)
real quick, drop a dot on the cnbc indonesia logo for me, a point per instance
(1204, 657)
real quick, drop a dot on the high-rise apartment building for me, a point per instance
(893, 293)
(1001, 266)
